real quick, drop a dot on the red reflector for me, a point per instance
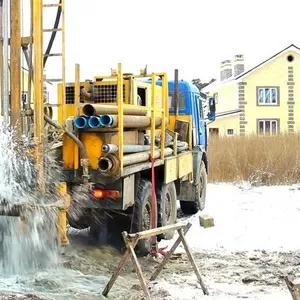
(97, 193)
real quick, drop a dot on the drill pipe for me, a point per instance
(98, 109)
(105, 164)
(81, 122)
(129, 121)
(94, 122)
(111, 148)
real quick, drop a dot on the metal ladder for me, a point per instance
(61, 29)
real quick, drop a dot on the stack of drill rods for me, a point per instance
(111, 121)
(112, 148)
(98, 109)
(135, 158)
(130, 121)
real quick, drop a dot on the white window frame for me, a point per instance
(271, 127)
(264, 90)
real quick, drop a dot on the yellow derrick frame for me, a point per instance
(117, 77)
(38, 85)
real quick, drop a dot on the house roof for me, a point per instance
(217, 84)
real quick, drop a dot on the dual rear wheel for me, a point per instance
(142, 211)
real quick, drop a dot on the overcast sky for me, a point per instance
(191, 35)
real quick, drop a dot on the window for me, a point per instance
(268, 127)
(229, 131)
(268, 96)
(214, 131)
(181, 101)
(290, 58)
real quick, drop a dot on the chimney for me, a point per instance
(226, 69)
(238, 65)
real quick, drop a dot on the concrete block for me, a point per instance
(206, 221)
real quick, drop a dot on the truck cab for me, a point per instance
(190, 109)
(190, 104)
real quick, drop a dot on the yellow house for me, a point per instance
(262, 100)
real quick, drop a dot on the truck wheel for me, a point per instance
(199, 192)
(166, 207)
(201, 188)
(141, 219)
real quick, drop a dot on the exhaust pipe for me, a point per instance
(94, 122)
(81, 122)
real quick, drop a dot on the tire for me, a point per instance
(199, 190)
(202, 186)
(166, 207)
(141, 218)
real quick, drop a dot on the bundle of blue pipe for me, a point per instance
(93, 121)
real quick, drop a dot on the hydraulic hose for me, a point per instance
(53, 34)
(83, 152)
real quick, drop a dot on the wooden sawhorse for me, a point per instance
(132, 239)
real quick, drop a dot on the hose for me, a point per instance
(83, 152)
(53, 34)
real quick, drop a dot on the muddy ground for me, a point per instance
(246, 255)
(238, 275)
(231, 275)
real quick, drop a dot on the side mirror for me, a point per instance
(212, 109)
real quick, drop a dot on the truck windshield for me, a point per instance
(182, 100)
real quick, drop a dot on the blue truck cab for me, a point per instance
(190, 104)
(192, 197)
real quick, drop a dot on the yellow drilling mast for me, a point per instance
(23, 117)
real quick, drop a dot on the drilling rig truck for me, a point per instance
(142, 137)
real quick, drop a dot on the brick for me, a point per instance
(206, 221)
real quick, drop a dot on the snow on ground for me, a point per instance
(252, 246)
(249, 218)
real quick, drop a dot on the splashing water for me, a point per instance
(30, 260)
(29, 242)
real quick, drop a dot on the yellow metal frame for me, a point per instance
(38, 89)
(15, 64)
(153, 115)
(152, 108)
(117, 77)
(38, 84)
(120, 104)
(76, 111)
